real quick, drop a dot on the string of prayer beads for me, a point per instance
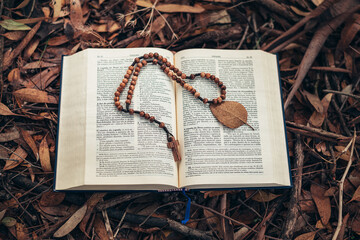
(176, 75)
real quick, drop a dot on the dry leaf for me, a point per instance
(262, 196)
(10, 24)
(34, 95)
(76, 15)
(322, 202)
(171, 8)
(45, 156)
(217, 193)
(2, 214)
(57, 4)
(15, 35)
(49, 199)
(71, 223)
(14, 75)
(30, 141)
(16, 158)
(314, 100)
(5, 111)
(21, 232)
(306, 236)
(344, 156)
(356, 196)
(9, 221)
(100, 228)
(231, 114)
(91, 203)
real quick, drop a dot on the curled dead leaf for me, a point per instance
(16, 158)
(45, 156)
(34, 95)
(231, 114)
(51, 198)
(5, 111)
(356, 196)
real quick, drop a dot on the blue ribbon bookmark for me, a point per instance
(187, 211)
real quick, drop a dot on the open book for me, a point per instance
(101, 148)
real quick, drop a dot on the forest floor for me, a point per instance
(318, 47)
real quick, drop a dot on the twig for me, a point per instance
(119, 199)
(341, 183)
(342, 93)
(293, 213)
(244, 36)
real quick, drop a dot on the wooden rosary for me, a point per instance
(226, 112)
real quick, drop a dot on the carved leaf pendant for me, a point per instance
(231, 114)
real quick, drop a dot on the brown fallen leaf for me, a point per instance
(317, 118)
(231, 114)
(5, 111)
(34, 95)
(21, 232)
(30, 49)
(57, 4)
(71, 223)
(45, 156)
(16, 158)
(306, 236)
(356, 196)
(171, 8)
(76, 15)
(100, 228)
(264, 196)
(30, 141)
(50, 198)
(14, 35)
(39, 64)
(322, 202)
(314, 100)
(43, 79)
(14, 75)
(218, 193)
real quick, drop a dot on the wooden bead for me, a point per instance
(160, 57)
(122, 85)
(186, 86)
(132, 87)
(220, 84)
(137, 60)
(131, 68)
(119, 89)
(216, 80)
(166, 70)
(151, 55)
(117, 103)
(146, 56)
(193, 91)
(219, 99)
(140, 65)
(128, 101)
(152, 119)
(120, 107)
(128, 72)
(164, 60)
(141, 114)
(179, 73)
(136, 74)
(174, 77)
(161, 125)
(156, 55)
(126, 76)
(116, 99)
(189, 88)
(192, 76)
(223, 91)
(223, 97)
(223, 87)
(197, 94)
(125, 80)
(130, 92)
(133, 83)
(147, 116)
(168, 64)
(182, 83)
(215, 101)
(117, 94)
(131, 111)
(178, 80)
(207, 75)
(155, 61)
(170, 74)
(134, 78)
(212, 77)
(172, 67)
(176, 70)
(202, 74)
(137, 69)
(183, 76)
(205, 100)
(163, 67)
(144, 62)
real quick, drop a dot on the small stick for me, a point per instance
(341, 183)
(342, 93)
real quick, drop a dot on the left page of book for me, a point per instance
(124, 152)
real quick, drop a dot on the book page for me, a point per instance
(123, 149)
(217, 156)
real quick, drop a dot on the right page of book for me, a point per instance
(215, 156)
